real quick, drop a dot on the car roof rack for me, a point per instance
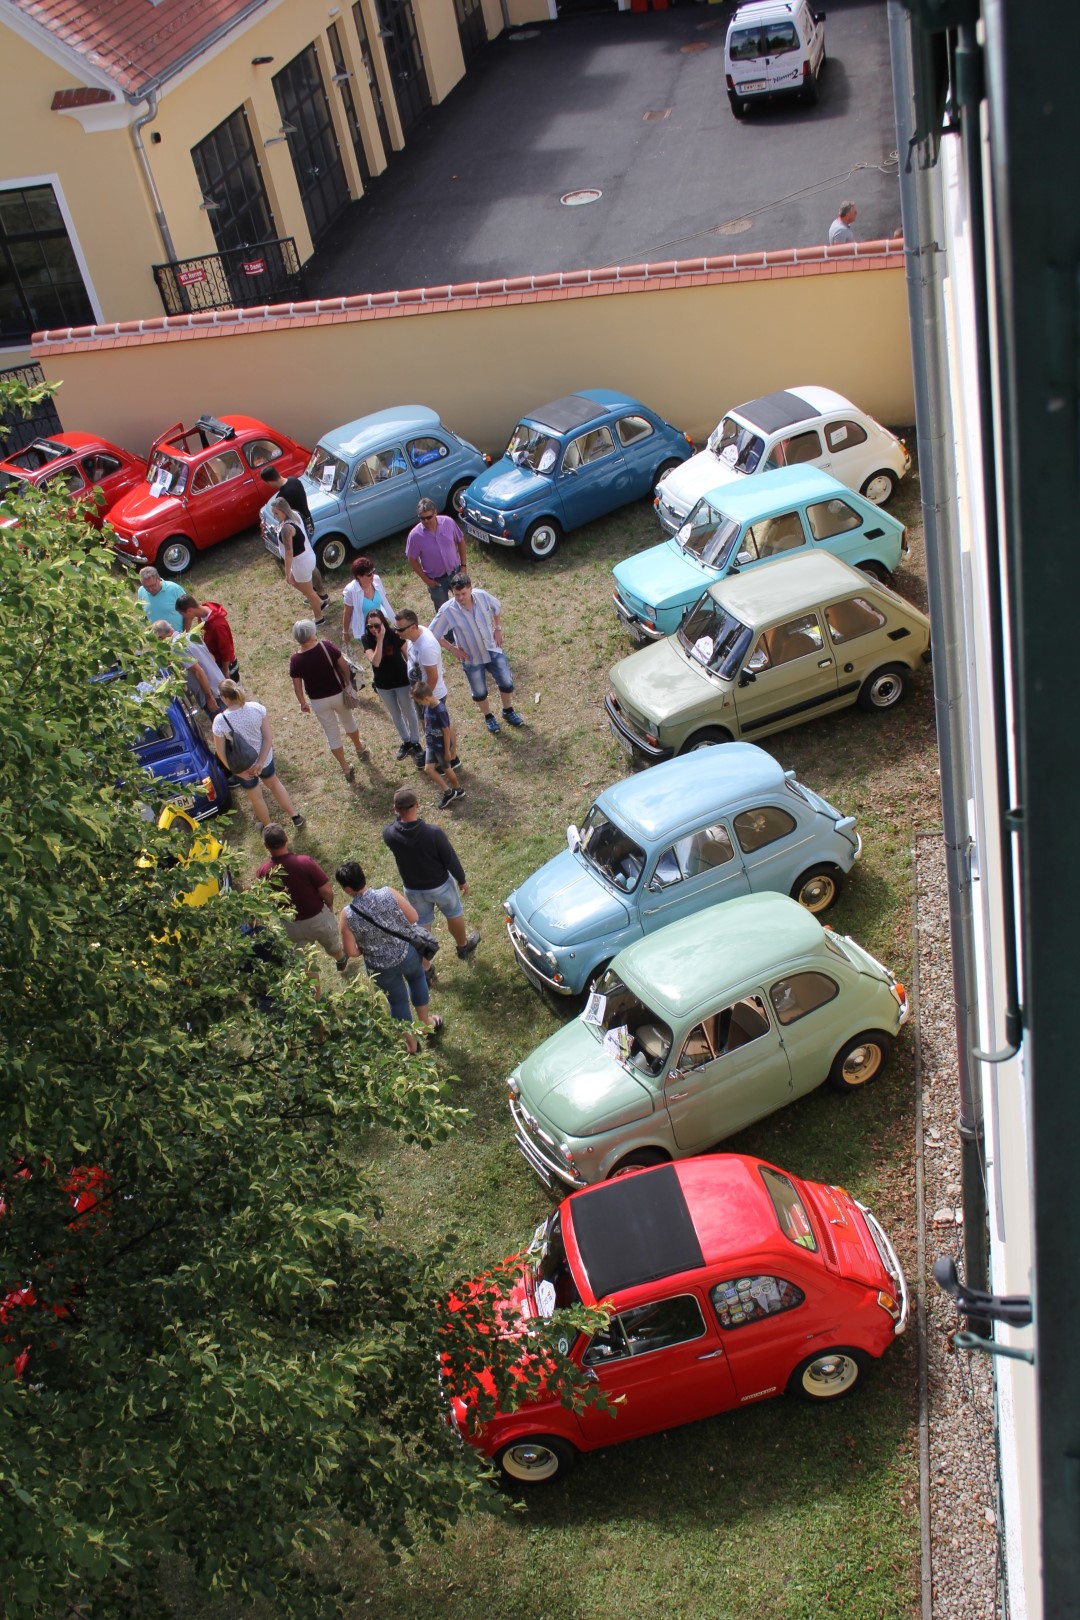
(210, 424)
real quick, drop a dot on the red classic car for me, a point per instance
(728, 1280)
(85, 1188)
(201, 486)
(79, 463)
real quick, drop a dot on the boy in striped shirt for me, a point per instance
(472, 618)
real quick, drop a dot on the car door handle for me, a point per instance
(677, 1096)
(824, 663)
(711, 1355)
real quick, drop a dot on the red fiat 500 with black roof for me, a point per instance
(728, 1280)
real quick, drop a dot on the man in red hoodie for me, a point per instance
(210, 620)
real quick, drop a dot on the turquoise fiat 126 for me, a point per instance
(783, 514)
(669, 842)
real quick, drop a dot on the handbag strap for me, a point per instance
(333, 666)
(360, 912)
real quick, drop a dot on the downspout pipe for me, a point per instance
(162, 223)
(924, 260)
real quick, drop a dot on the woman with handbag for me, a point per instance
(245, 746)
(322, 680)
(380, 926)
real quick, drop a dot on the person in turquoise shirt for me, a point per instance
(159, 596)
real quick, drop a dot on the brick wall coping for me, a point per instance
(560, 285)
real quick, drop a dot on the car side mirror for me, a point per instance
(747, 678)
(676, 1074)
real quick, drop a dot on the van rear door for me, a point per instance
(783, 55)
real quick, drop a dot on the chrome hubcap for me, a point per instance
(862, 1064)
(818, 893)
(530, 1461)
(830, 1375)
(333, 555)
(176, 558)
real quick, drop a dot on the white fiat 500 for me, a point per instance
(797, 426)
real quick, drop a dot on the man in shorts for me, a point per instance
(470, 627)
(310, 893)
(432, 876)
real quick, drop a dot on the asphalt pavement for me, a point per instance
(634, 106)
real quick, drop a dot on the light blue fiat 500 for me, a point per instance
(787, 513)
(713, 824)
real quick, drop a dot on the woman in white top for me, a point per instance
(297, 553)
(247, 722)
(364, 594)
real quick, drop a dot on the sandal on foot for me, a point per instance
(435, 1028)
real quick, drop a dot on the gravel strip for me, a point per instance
(965, 1565)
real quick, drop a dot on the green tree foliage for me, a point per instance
(225, 1358)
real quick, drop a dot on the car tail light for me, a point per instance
(208, 789)
(889, 1305)
(904, 547)
(686, 436)
(730, 82)
(805, 71)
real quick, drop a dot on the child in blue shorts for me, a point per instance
(440, 743)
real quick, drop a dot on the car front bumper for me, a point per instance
(629, 740)
(890, 1262)
(636, 626)
(528, 960)
(554, 1173)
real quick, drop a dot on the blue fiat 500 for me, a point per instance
(714, 824)
(569, 462)
(787, 513)
(174, 753)
(364, 480)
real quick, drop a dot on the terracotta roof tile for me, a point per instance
(134, 42)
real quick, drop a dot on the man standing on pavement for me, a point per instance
(469, 627)
(840, 230)
(211, 621)
(310, 893)
(293, 491)
(431, 873)
(435, 550)
(159, 598)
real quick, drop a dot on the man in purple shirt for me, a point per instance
(435, 550)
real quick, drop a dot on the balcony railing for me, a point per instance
(263, 273)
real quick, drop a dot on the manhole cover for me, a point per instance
(524, 33)
(578, 199)
(656, 115)
(730, 227)
(697, 45)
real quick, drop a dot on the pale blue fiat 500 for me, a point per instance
(714, 824)
(787, 513)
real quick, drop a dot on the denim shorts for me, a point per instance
(499, 669)
(447, 897)
(264, 775)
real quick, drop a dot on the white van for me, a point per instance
(773, 48)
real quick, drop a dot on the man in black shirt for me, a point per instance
(293, 491)
(431, 873)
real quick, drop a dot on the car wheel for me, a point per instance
(738, 106)
(456, 499)
(810, 94)
(818, 888)
(879, 487)
(664, 468)
(828, 1375)
(875, 570)
(641, 1159)
(597, 973)
(860, 1061)
(175, 556)
(542, 540)
(331, 552)
(536, 1460)
(884, 688)
(711, 737)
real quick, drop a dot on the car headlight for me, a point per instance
(567, 1155)
(649, 612)
(513, 1086)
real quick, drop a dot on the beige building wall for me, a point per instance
(688, 351)
(436, 24)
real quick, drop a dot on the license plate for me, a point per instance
(477, 534)
(751, 84)
(622, 741)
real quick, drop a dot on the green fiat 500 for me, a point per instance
(698, 1030)
(766, 650)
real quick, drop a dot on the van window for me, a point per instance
(745, 45)
(827, 518)
(855, 617)
(780, 37)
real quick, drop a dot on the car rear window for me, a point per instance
(791, 1214)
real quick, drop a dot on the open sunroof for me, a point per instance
(634, 1230)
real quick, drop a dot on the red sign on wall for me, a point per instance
(254, 267)
(188, 278)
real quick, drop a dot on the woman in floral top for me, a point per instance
(375, 925)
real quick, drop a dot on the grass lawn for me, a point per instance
(779, 1511)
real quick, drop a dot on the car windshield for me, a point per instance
(708, 535)
(610, 851)
(627, 1029)
(790, 1212)
(533, 447)
(553, 1282)
(166, 475)
(736, 445)
(9, 480)
(714, 639)
(326, 469)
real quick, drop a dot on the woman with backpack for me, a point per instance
(377, 925)
(245, 746)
